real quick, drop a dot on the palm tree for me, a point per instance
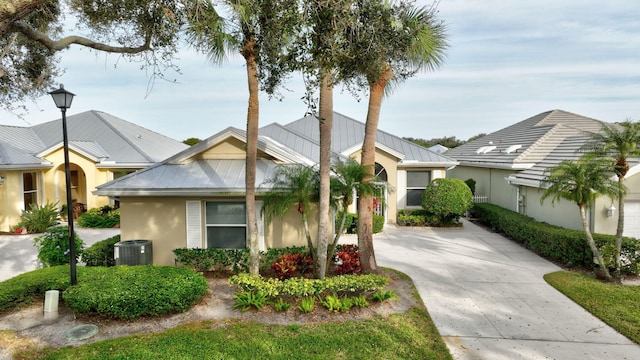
(292, 185)
(257, 24)
(391, 43)
(618, 143)
(350, 176)
(582, 182)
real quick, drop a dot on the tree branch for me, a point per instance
(57, 45)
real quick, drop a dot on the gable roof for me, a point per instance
(185, 174)
(525, 144)
(347, 136)
(104, 138)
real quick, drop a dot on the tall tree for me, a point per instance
(32, 33)
(258, 30)
(581, 182)
(618, 143)
(320, 47)
(387, 42)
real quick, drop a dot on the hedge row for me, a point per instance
(121, 292)
(566, 246)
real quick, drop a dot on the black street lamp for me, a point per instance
(63, 100)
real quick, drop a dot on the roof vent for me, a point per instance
(485, 149)
(512, 148)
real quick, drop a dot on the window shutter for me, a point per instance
(194, 224)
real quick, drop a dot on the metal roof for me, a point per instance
(95, 134)
(347, 135)
(197, 177)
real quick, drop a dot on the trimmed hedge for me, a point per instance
(26, 288)
(566, 246)
(123, 292)
(101, 253)
(130, 292)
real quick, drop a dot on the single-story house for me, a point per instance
(196, 198)
(101, 148)
(509, 165)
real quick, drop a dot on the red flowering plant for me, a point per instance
(348, 260)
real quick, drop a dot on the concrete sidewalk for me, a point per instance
(18, 255)
(487, 297)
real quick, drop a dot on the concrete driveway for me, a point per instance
(18, 255)
(487, 297)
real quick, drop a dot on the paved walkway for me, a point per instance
(487, 297)
(485, 293)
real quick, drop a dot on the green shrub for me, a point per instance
(447, 198)
(376, 226)
(559, 244)
(101, 253)
(383, 295)
(37, 219)
(26, 288)
(130, 292)
(281, 305)
(213, 259)
(53, 246)
(412, 218)
(472, 185)
(350, 223)
(303, 287)
(104, 217)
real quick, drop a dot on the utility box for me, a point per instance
(133, 252)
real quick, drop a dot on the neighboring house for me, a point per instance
(440, 149)
(101, 148)
(197, 197)
(509, 164)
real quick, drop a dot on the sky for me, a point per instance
(508, 60)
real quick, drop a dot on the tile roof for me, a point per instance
(525, 143)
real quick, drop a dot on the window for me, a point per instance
(417, 181)
(226, 224)
(29, 189)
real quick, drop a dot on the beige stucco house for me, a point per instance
(196, 198)
(101, 148)
(509, 164)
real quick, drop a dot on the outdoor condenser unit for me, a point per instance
(133, 252)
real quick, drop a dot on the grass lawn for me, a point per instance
(616, 305)
(410, 335)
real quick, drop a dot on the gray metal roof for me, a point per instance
(122, 141)
(538, 136)
(96, 134)
(198, 177)
(348, 133)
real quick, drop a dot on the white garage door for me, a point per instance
(632, 219)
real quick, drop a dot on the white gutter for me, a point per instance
(512, 180)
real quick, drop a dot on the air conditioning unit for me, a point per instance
(133, 252)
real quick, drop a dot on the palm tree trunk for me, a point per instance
(592, 243)
(307, 234)
(619, 230)
(367, 159)
(336, 238)
(325, 121)
(248, 52)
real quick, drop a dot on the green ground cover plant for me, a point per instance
(410, 335)
(616, 305)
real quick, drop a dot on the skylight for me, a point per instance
(485, 149)
(512, 148)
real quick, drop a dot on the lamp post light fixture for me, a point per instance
(63, 99)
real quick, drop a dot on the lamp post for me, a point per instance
(63, 99)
